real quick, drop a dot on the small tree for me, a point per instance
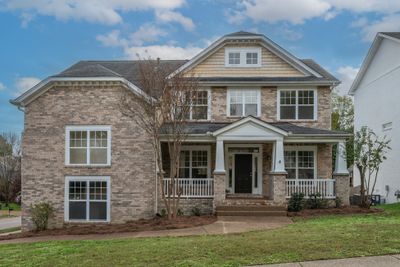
(165, 102)
(369, 153)
(10, 166)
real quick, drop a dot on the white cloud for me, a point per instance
(290, 35)
(112, 39)
(298, 11)
(98, 11)
(2, 86)
(147, 33)
(390, 23)
(25, 83)
(162, 51)
(346, 74)
(173, 16)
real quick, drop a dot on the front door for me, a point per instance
(243, 173)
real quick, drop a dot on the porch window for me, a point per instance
(87, 198)
(300, 163)
(297, 105)
(195, 162)
(243, 103)
(88, 145)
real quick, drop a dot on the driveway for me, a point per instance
(10, 222)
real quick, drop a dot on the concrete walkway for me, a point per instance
(10, 222)
(386, 261)
(224, 225)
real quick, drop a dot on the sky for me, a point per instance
(39, 38)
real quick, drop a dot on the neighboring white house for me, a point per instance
(376, 92)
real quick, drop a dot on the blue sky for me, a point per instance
(42, 37)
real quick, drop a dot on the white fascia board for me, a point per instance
(246, 120)
(44, 85)
(281, 52)
(365, 64)
(314, 139)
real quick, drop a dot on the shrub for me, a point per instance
(163, 213)
(40, 215)
(338, 202)
(317, 202)
(196, 211)
(296, 202)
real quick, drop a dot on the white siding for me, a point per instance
(377, 103)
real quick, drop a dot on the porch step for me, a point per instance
(251, 210)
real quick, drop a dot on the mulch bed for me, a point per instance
(334, 211)
(154, 224)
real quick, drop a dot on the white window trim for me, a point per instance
(278, 101)
(87, 128)
(86, 179)
(209, 99)
(304, 148)
(228, 101)
(198, 148)
(243, 51)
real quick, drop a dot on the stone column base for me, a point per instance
(219, 189)
(278, 187)
(342, 187)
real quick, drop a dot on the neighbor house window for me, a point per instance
(195, 162)
(242, 57)
(243, 103)
(300, 162)
(87, 198)
(297, 105)
(88, 145)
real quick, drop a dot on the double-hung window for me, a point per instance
(300, 162)
(297, 105)
(243, 103)
(195, 162)
(87, 198)
(200, 105)
(88, 145)
(242, 57)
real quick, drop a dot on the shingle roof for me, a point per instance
(243, 33)
(315, 66)
(292, 129)
(392, 34)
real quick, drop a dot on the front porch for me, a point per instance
(255, 163)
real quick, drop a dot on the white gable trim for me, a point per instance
(368, 59)
(47, 83)
(250, 120)
(266, 42)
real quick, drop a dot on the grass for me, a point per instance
(325, 237)
(9, 230)
(14, 206)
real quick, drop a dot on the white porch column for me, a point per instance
(219, 158)
(279, 159)
(341, 161)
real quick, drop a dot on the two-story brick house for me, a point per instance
(259, 131)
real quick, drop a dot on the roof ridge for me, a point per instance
(107, 69)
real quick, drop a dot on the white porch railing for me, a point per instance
(191, 187)
(326, 187)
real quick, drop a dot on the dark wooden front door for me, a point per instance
(243, 173)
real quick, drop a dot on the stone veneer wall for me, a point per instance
(43, 147)
(269, 107)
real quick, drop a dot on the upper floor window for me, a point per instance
(243, 102)
(88, 145)
(243, 57)
(200, 104)
(297, 105)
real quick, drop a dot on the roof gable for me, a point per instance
(243, 38)
(376, 44)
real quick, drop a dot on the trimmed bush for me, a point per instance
(40, 215)
(196, 211)
(317, 202)
(296, 202)
(338, 202)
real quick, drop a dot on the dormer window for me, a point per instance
(242, 57)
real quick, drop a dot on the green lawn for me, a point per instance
(9, 230)
(310, 239)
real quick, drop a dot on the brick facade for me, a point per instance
(43, 164)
